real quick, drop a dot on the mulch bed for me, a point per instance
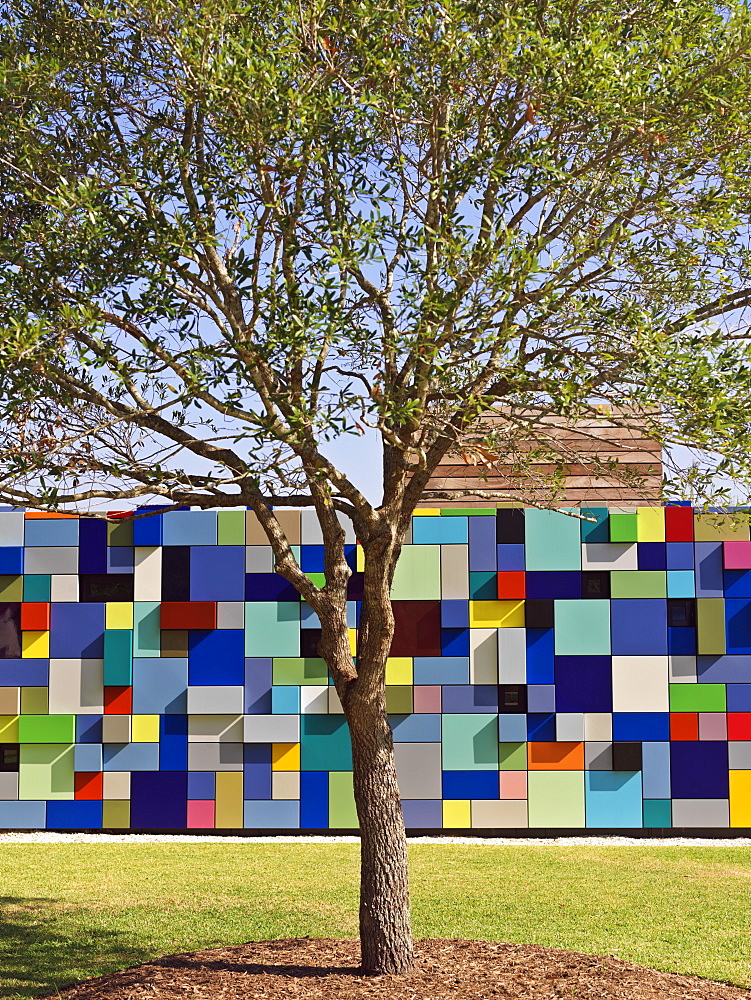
(445, 970)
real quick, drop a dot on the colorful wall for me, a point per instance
(547, 673)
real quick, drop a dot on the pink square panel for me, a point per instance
(737, 555)
(200, 814)
(713, 726)
(513, 784)
(427, 698)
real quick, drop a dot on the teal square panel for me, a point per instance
(272, 629)
(470, 742)
(324, 743)
(681, 583)
(418, 574)
(146, 629)
(657, 813)
(582, 628)
(553, 541)
(598, 529)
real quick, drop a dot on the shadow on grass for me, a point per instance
(46, 945)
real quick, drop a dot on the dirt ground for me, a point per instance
(444, 970)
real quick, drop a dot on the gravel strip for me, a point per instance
(52, 837)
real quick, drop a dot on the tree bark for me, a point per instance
(385, 934)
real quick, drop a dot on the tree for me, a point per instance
(233, 230)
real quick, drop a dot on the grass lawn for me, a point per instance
(70, 911)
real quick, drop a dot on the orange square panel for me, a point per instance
(684, 726)
(511, 585)
(188, 614)
(35, 617)
(555, 756)
(43, 515)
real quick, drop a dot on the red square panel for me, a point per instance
(188, 614)
(511, 585)
(679, 524)
(684, 726)
(89, 785)
(739, 725)
(118, 700)
(35, 617)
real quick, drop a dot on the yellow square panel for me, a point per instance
(35, 645)
(144, 729)
(118, 614)
(720, 527)
(352, 641)
(427, 512)
(496, 614)
(456, 814)
(650, 524)
(8, 729)
(740, 798)
(399, 670)
(360, 554)
(285, 756)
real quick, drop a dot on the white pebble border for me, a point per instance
(52, 837)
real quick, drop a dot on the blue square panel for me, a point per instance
(708, 561)
(455, 641)
(160, 685)
(258, 674)
(583, 684)
(739, 697)
(455, 614)
(120, 559)
(276, 814)
(216, 657)
(635, 727)
(173, 742)
(680, 555)
(651, 555)
(737, 583)
(51, 531)
(443, 530)
(158, 800)
(512, 728)
(217, 573)
(92, 550)
(269, 587)
(738, 626)
(551, 584)
(195, 527)
(651, 635)
(147, 530)
(11, 560)
(74, 815)
(540, 656)
(465, 698)
(510, 557)
(77, 631)
(314, 800)
(311, 558)
(541, 728)
(424, 814)
(699, 770)
(613, 799)
(482, 544)
(89, 730)
(201, 784)
(416, 728)
(470, 785)
(682, 641)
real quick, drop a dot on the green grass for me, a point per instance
(70, 911)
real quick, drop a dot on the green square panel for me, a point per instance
(146, 629)
(556, 799)
(230, 527)
(582, 628)
(638, 583)
(483, 586)
(297, 671)
(324, 743)
(12, 589)
(120, 532)
(47, 729)
(623, 527)
(697, 698)
(342, 811)
(418, 574)
(512, 756)
(318, 579)
(657, 813)
(37, 588)
(470, 742)
(553, 541)
(272, 628)
(46, 771)
(399, 699)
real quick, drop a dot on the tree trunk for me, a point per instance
(385, 935)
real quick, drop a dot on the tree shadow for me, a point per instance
(46, 945)
(293, 971)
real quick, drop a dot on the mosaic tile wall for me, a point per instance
(547, 673)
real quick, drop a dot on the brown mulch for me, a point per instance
(445, 970)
